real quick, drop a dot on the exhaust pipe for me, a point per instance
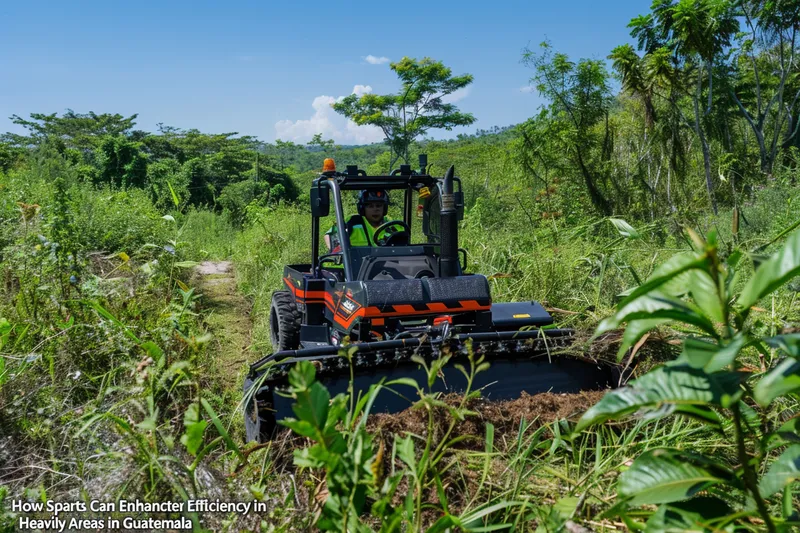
(448, 260)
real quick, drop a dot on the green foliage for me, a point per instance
(708, 380)
(104, 353)
(121, 163)
(666, 476)
(272, 188)
(164, 178)
(353, 466)
(81, 132)
(419, 105)
(581, 99)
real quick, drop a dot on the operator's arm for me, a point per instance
(331, 238)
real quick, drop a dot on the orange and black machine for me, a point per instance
(409, 293)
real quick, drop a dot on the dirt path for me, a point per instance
(228, 320)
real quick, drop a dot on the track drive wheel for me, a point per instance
(284, 322)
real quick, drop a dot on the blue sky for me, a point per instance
(270, 69)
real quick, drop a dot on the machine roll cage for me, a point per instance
(355, 179)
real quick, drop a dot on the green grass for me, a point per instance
(76, 387)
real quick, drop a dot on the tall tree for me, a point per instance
(121, 162)
(635, 79)
(79, 131)
(696, 33)
(762, 67)
(580, 98)
(318, 141)
(419, 106)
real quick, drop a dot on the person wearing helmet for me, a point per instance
(372, 209)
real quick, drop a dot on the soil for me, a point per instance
(505, 416)
(210, 268)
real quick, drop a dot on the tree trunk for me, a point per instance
(597, 197)
(704, 143)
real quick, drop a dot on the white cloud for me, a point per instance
(527, 89)
(361, 90)
(329, 123)
(456, 96)
(372, 60)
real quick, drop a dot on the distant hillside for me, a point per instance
(305, 158)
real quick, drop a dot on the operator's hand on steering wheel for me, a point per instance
(396, 233)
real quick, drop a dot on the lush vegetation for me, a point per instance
(652, 201)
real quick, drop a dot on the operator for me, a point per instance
(372, 209)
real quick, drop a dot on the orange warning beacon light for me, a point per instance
(329, 165)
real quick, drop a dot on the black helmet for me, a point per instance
(368, 196)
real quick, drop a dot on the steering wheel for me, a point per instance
(401, 238)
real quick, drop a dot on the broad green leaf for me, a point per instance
(782, 379)
(153, 350)
(665, 475)
(402, 381)
(102, 311)
(706, 294)
(634, 331)
(302, 375)
(337, 410)
(665, 272)
(149, 423)
(301, 427)
(304, 459)
(312, 405)
(625, 229)
(709, 356)
(666, 390)
(774, 272)
(472, 520)
(195, 428)
(186, 264)
(656, 307)
(789, 343)
(566, 506)
(785, 470)
(790, 431)
(689, 517)
(405, 451)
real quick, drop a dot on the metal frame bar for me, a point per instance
(377, 346)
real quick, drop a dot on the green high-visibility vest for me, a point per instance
(358, 235)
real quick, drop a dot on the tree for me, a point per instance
(695, 33)
(78, 131)
(285, 149)
(635, 79)
(762, 66)
(323, 145)
(419, 106)
(121, 162)
(580, 99)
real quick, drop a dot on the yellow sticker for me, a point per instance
(523, 315)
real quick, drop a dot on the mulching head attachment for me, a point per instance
(519, 361)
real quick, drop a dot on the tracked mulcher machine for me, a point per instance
(399, 298)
